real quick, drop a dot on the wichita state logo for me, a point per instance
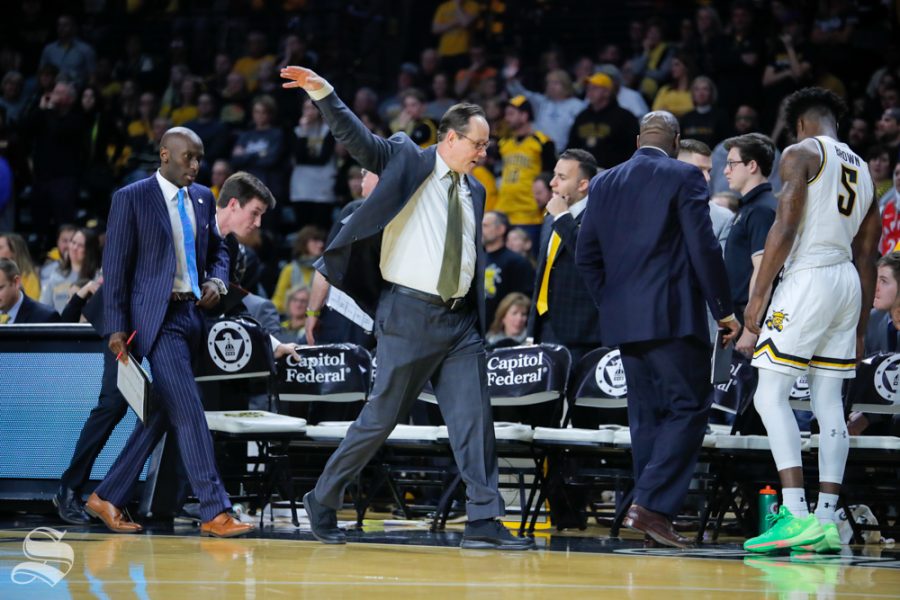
(610, 375)
(777, 320)
(229, 346)
(887, 378)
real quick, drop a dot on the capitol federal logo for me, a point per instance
(50, 559)
(886, 378)
(610, 375)
(229, 346)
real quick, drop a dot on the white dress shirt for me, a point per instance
(182, 282)
(14, 311)
(412, 247)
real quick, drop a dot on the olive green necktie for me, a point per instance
(448, 281)
(4, 319)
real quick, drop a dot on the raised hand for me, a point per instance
(301, 77)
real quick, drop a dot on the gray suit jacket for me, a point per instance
(351, 261)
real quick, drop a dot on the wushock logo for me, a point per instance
(50, 559)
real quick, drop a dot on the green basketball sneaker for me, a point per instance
(785, 531)
(830, 542)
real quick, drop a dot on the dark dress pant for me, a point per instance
(668, 409)
(418, 342)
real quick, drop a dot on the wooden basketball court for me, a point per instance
(410, 562)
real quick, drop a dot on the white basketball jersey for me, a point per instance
(838, 198)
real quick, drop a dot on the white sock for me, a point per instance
(795, 500)
(825, 507)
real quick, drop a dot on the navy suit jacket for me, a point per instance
(572, 312)
(139, 258)
(31, 311)
(648, 253)
(351, 261)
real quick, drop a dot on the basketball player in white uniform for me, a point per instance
(825, 235)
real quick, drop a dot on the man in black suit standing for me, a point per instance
(15, 306)
(562, 311)
(650, 259)
(412, 257)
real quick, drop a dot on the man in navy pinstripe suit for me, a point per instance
(164, 262)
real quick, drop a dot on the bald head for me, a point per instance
(660, 129)
(180, 153)
(182, 132)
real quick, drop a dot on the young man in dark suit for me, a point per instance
(15, 306)
(412, 257)
(650, 259)
(562, 311)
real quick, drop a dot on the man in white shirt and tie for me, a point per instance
(411, 256)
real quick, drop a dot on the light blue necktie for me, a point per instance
(190, 251)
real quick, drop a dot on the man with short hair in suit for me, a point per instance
(562, 311)
(165, 262)
(649, 258)
(412, 257)
(15, 306)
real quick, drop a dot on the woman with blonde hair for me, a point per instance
(81, 262)
(13, 247)
(510, 320)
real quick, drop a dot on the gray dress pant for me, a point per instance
(418, 341)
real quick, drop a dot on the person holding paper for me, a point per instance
(164, 262)
(649, 258)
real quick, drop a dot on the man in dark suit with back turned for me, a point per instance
(649, 258)
(411, 256)
(165, 261)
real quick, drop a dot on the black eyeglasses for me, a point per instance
(730, 163)
(478, 145)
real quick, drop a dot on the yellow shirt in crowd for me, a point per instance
(454, 41)
(522, 163)
(678, 102)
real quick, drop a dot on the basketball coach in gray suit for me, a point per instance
(412, 257)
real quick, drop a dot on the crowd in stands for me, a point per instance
(88, 89)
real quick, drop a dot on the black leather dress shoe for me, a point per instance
(322, 521)
(70, 507)
(490, 534)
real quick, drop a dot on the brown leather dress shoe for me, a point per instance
(224, 526)
(111, 516)
(656, 525)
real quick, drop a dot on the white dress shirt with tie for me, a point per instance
(412, 247)
(182, 282)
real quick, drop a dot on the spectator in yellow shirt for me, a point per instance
(248, 65)
(525, 154)
(453, 21)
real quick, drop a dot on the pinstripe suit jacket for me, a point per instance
(139, 258)
(351, 261)
(573, 314)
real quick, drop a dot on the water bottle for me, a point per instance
(768, 505)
